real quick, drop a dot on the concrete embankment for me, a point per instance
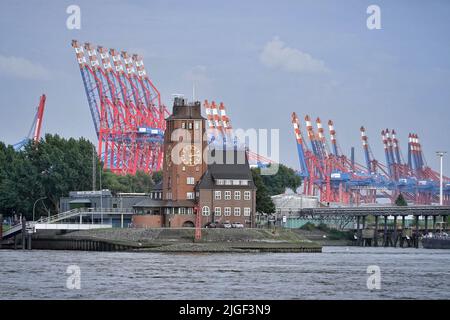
(178, 240)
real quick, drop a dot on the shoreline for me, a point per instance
(177, 241)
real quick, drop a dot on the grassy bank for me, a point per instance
(325, 236)
(182, 240)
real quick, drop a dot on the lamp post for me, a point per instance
(34, 205)
(441, 154)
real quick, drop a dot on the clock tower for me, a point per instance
(183, 152)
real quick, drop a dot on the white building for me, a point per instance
(290, 203)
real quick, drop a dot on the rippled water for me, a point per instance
(337, 273)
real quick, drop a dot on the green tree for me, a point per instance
(49, 169)
(400, 201)
(141, 182)
(157, 177)
(284, 178)
(264, 202)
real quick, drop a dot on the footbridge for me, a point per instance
(76, 219)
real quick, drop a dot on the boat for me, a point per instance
(438, 240)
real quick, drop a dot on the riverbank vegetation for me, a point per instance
(331, 234)
(52, 168)
(270, 185)
(40, 174)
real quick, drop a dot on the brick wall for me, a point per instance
(207, 198)
(147, 221)
(178, 220)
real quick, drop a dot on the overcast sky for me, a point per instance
(262, 59)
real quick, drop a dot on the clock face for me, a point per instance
(191, 155)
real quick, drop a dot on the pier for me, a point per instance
(382, 231)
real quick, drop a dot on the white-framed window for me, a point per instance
(189, 195)
(227, 211)
(235, 182)
(183, 125)
(217, 211)
(190, 180)
(247, 212)
(244, 182)
(227, 195)
(237, 195)
(228, 182)
(197, 125)
(247, 195)
(217, 195)
(182, 210)
(169, 195)
(237, 211)
(189, 211)
(219, 182)
(183, 168)
(189, 125)
(205, 211)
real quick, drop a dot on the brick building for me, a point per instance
(218, 183)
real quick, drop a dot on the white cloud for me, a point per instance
(277, 55)
(22, 68)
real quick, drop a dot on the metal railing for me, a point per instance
(65, 215)
(59, 216)
(15, 228)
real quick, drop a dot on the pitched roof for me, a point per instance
(228, 164)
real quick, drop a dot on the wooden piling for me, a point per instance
(1, 230)
(394, 242)
(416, 238)
(29, 241)
(375, 235)
(385, 240)
(358, 233)
(24, 230)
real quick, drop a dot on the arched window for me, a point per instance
(205, 211)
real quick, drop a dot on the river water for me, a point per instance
(337, 273)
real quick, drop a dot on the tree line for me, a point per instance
(51, 169)
(270, 185)
(41, 173)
